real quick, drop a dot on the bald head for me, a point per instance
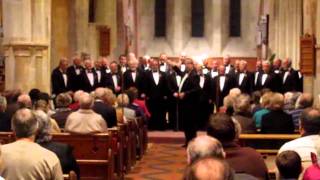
(310, 121)
(86, 101)
(24, 123)
(100, 93)
(209, 168)
(204, 146)
(305, 100)
(24, 100)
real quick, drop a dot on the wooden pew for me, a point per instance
(127, 146)
(93, 153)
(71, 176)
(117, 135)
(266, 143)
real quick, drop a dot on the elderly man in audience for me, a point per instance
(309, 142)
(277, 121)
(62, 110)
(24, 101)
(209, 168)
(85, 120)
(101, 106)
(289, 165)
(63, 151)
(243, 115)
(241, 159)
(5, 121)
(305, 100)
(24, 159)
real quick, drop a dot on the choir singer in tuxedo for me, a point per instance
(59, 78)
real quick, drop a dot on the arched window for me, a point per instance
(160, 18)
(235, 18)
(197, 18)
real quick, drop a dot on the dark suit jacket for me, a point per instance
(246, 85)
(57, 82)
(61, 116)
(272, 82)
(277, 122)
(128, 81)
(85, 83)
(64, 153)
(217, 95)
(5, 122)
(74, 80)
(153, 91)
(107, 112)
(101, 82)
(292, 81)
(109, 82)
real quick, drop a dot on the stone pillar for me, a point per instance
(316, 24)
(27, 29)
(81, 9)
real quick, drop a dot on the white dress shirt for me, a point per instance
(222, 80)
(99, 75)
(156, 77)
(134, 75)
(241, 77)
(256, 78)
(65, 79)
(182, 81)
(90, 77)
(214, 73)
(77, 70)
(286, 74)
(228, 69)
(115, 80)
(183, 67)
(163, 67)
(264, 78)
(178, 79)
(201, 83)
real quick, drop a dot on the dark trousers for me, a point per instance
(187, 114)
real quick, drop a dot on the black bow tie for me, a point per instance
(89, 71)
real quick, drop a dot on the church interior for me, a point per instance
(271, 45)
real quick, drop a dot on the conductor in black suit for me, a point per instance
(73, 73)
(59, 78)
(267, 79)
(88, 77)
(221, 86)
(187, 96)
(289, 77)
(244, 78)
(156, 93)
(113, 79)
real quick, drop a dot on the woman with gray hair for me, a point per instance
(63, 151)
(243, 115)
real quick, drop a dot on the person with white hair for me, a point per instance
(144, 63)
(89, 77)
(73, 73)
(289, 77)
(133, 77)
(59, 78)
(244, 78)
(229, 68)
(85, 120)
(267, 79)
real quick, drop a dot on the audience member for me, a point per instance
(122, 102)
(208, 168)
(133, 94)
(309, 142)
(42, 106)
(12, 104)
(241, 159)
(264, 108)
(34, 95)
(63, 151)
(62, 111)
(76, 97)
(25, 159)
(289, 165)
(101, 107)
(24, 101)
(277, 121)
(85, 120)
(5, 121)
(255, 101)
(305, 100)
(243, 115)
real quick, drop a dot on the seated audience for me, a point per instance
(304, 101)
(243, 115)
(209, 168)
(309, 130)
(312, 172)
(227, 107)
(85, 120)
(24, 101)
(12, 104)
(25, 159)
(122, 102)
(255, 101)
(5, 121)
(34, 95)
(264, 109)
(42, 105)
(277, 121)
(102, 107)
(63, 151)
(241, 159)
(76, 96)
(133, 94)
(289, 165)
(62, 111)
(290, 100)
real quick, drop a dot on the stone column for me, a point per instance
(316, 22)
(81, 9)
(27, 28)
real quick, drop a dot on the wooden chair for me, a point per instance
(93, 153)
(71, 176)
(266, 143)
(6, 137)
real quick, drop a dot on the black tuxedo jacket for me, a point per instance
(217, 95)
(128, 81)
(292, 81)
(272, 82)
(65, 155)
(154, 91)
(277, 122)
(109, 82)
(57, 82)
(85, 83)
(103, 76)
(107, 112)
(246, 85)
(74, 79)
